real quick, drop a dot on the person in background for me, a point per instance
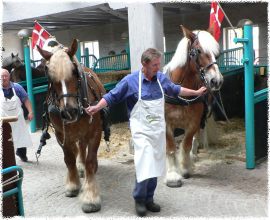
(12, 96)
(144, 92)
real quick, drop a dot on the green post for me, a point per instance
(249, 95)
(29, 82)
(78, 52)
(86, 54)
(128, 54)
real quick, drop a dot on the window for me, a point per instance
(93, 48)
(228, 37)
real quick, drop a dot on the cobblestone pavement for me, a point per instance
(217, 189)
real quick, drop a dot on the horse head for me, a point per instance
(16, 61)
(195, 57)
(64, 77)
(12, 61)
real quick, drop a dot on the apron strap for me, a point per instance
(140, 86)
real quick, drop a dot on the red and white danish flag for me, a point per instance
(216, 17)
(39, 36)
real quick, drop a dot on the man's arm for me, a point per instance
(28, 106)
(94, 109)
(190, 92)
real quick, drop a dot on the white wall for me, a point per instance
(12, 44)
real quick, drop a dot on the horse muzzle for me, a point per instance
(215, 84)
(69, 114)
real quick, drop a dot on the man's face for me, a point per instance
(5, 78)
(152, 67)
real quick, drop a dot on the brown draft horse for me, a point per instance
(193, 65)
(17, 70)
(77, 133)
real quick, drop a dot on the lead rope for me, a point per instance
(189, 100)
(221, 107)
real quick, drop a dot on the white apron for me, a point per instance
(147, 125)
(12, 107)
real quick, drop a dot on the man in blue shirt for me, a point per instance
(144, 92)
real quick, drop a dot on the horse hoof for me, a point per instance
(72, 193)
(175, 184)
(186, 176)
(87, 208)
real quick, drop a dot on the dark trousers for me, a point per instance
(144, 191)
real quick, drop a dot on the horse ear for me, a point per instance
(12, 55)
(74, 46)
(187, 33)
(44, 53)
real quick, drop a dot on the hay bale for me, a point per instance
(112, 76)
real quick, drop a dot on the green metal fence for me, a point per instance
(112, 63)
(168, 56)
(230, 59)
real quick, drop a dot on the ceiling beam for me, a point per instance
(107, 9)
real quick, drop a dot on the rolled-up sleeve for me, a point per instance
(21, 93)
(118, 94)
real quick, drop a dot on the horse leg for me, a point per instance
(186, 164)
(195, 146)
(90, 195)
(172, 178)
(81, 159)
(72, 186)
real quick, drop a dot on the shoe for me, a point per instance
(152, 207)
(21, 153)
(140, 208)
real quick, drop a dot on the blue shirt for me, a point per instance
(20, 92)
(128, 88)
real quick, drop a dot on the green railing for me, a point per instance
(89, 60)
(16, 191)
(112, 63)
(230, 59)
(168, 56)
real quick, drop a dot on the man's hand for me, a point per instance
(201, 90)
(30, 116)
(90, 110)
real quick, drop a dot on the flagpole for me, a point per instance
(227, 19)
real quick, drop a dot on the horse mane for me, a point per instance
(179, 59)
(180, 56)
(207, 42)
(60, 66)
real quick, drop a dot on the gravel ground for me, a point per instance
(220, 187)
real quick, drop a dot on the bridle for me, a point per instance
(81, 96)
(194, 55)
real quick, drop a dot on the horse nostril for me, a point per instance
(69, 113)
(214, 83)
(63, 115)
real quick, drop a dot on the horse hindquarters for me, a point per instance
(90, 196)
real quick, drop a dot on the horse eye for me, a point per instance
(199, 51)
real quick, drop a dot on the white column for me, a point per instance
(145, 23)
